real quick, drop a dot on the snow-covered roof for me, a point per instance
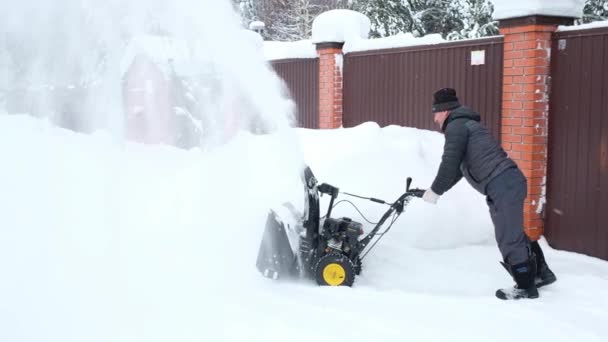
(396, 41)
(285, 50)
(505, 9)
(595, 24)
(338, 26)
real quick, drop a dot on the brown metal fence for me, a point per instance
(302, 79)
(395, 86)
(577, 181)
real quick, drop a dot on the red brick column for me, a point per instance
(525, 106)
(330, 85)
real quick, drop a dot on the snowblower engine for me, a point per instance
(339, 234)
(342, 234)
(330, 250)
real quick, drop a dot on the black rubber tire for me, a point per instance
(336, 260)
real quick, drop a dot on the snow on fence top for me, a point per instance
(504, 9)
(307, 49)
(338, 26)
(396, 41)
(286, 50)
(595, 24)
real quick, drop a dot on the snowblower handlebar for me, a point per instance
(397, 207)
(330, 190)
(417, 192)
(413, 192)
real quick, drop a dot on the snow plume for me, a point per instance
(138, 66)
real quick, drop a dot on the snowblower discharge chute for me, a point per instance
(329, 250)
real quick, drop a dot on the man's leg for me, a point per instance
(506, 195)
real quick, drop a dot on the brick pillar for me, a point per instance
(330, 84)
(525, 106)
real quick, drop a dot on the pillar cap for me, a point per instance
(338, 26)
(535, 20)
(329, 45)
(508, 9)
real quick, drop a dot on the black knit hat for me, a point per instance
(445, 99)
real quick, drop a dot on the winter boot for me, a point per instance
(544, 276)
(523, 274)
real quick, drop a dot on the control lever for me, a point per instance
(416, 192)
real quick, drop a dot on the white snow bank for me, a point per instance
(504, 9)
(595, 24)
(340, 25)
(384, 158)
(396, 41)
(286, 50)
(104, 241)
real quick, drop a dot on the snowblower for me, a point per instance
(326, 249)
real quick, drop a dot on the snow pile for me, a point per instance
(338, 26)
(286, 50)
(396, 41)
(104, 241)
(592, 25)
(111, 242)
(504, 9)
(393, 154)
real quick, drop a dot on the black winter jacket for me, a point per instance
(470, 151)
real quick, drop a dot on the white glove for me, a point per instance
(430, 196)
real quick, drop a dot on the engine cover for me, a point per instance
(342, 228)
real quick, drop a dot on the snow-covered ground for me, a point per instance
(108, 241)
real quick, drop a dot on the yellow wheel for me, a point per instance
(335, 269)
(334, 274)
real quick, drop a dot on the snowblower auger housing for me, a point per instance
(329, 250)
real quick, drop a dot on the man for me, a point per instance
(472, 152)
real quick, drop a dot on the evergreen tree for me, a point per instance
(247, 10)
(452, 19)
(285, 20)
(388, 17)
(476, 19)
(436, 16)
(595, 10)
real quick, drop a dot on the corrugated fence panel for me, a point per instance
(302, 79)
(577, 183)
(396, 86)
